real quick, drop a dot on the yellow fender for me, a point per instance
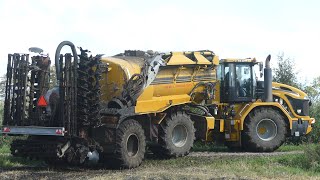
(247, 109)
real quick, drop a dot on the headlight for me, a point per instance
(281, 101)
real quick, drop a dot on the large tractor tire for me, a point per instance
(264, 131)
(130, 145)
(176, 136)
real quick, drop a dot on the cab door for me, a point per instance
(237, 83)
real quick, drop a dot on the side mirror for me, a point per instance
(260, 66)
(261, 69)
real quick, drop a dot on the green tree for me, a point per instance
(313, 91)
(3, 79)
(2, 95)
(1, 112)
(53, 76)
(285, 71)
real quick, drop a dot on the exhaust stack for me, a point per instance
(268, 81)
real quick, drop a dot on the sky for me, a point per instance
(230, 28)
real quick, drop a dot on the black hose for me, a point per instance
(202, 108)
(209, 89)
(57, 57)
(196, 86)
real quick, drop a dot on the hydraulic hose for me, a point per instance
(57, 56)
(209, 89)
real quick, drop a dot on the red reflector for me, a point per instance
(42, 102)
(6, 129)
(58, 131)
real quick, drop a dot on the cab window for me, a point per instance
(219, 72)
(244, 80)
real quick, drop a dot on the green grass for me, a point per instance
(291, 147)
(247, 166)
(8, 161)
(290, 166)
(280, 167)
(211, 147)
(5, 144)
(5, 149)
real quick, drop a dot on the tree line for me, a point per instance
(285, 72)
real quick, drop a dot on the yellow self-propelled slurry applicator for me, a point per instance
(108, 109)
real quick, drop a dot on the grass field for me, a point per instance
(290, 166)
(280, 167)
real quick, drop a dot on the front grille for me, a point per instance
(302, 104)
(306, 108)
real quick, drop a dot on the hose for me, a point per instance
(202, 108)
(57, 56)
(209, 89)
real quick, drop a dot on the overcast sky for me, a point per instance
(230, 28)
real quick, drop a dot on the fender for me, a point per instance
(247, 109)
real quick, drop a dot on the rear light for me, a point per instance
(59, 131)
(6, 129)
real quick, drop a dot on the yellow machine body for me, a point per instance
(171, 86)
(175, 81)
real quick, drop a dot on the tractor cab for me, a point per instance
(238, 80)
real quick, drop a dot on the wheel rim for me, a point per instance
(179, 135)
(132, 145)
(266, 129)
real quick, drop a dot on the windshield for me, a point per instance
(244, 80)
